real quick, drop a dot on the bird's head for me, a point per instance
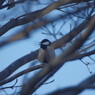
(45, 43)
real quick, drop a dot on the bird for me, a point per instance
(46, 52)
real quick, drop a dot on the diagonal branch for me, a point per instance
(17, 64)
(56, 63)
(65, 39)
(20, 74)
(35, 15)
(4, 74)
(69, 90)
(68, 37)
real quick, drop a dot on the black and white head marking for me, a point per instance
(45, 43)
(46, 51)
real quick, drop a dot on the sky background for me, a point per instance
(71, 74)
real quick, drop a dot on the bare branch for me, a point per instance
(69, 90)
(56, 63)
(68, 37)
(17, 64)
(35, 15)
(20, 74)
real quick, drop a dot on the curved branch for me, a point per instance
(35, 15)
(6, 72)
(77, 55)
(40, 23)
(72, 57)
(56, 44)
(69, 90)
(20, 74)
(68, 37)
(56, 63)
(17, 64)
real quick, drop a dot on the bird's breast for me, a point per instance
(47, 55)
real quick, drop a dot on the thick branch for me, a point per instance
(35, 15)
(62, 41)
(59, 61)
(69, 90)
(57, 44)
(17, 64)
(68, 37)
(20, 74)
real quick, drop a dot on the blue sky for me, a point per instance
(72, 73)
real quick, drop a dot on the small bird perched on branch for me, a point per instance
(46, 51)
